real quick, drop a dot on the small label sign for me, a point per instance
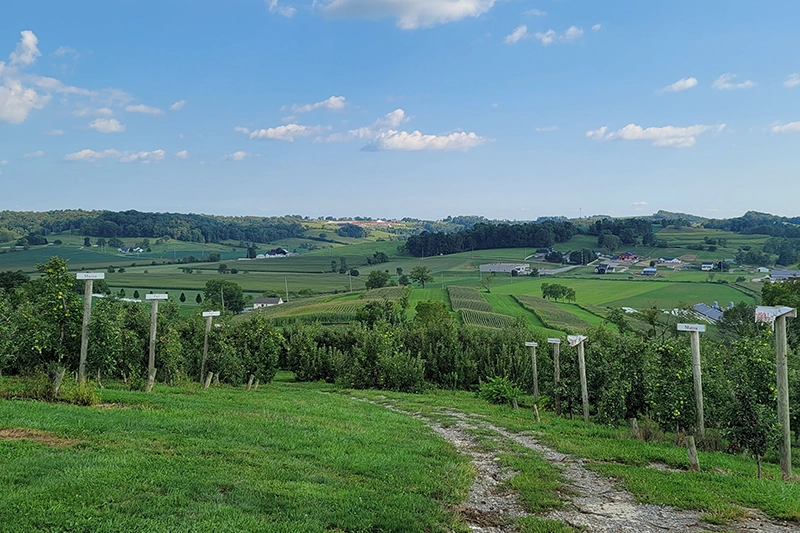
(692, 327)
(210, 313)
(769, 314)
(575, 340)
(554, 341)
(87, 275)
(531, 344)
(156, 297)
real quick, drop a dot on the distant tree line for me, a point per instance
(491, 236)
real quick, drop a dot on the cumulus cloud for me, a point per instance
(550, 36)
(791, 127)
(678, 137)
(145, 109)
(725, 82)
(793, 81)
(107, 125)
(54, 133)
(242, 129)
(237, 156)
(639, 204)
(572, 33)
(62, 51)
(286, 132)
(27, 50)
(680, 85)
(17, 101)
(597, 27)
(91, 155)
(517, 35)
(389, 121)
(284, 11)
(183, 154)
(547, 37)
(144, 157)
(34, 155)
(54, 85)
(409, 14)
(417, 141)
(102, 112)
(334, 103)
(177, 106)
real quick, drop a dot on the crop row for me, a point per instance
(486, 320)
(551, 315)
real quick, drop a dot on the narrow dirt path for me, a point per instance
(597, 503)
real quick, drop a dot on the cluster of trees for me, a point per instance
(183, 227)
(756, 223)
(381, 278)
(352, 230)
(612, 233)
(490, 236)
(554, 291)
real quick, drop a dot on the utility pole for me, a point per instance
(578, 340)
(87, 315)
(286, 286)
(777, 316)
(696, 330)
(151, 366)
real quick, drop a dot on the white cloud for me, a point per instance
(791, 127)
(680, 85)
(102, 112)
(548, 128)
(517, 35)
(146, 109)
(597, 27)
(107, 125)
(144, 157)
(416, 141)
(27, 51)
(54, 133)
(17, 101)
(679, 137)
(409, 14)
(334, 103)
(639, 204)
(54, 85)
(91, 155)
(286, 133)
(66, 50)
(792, 81)
(3, 162)
(33, 155)
(391, 120)
(285, 11)
(237, 156)
(546, 38)
(535, 13)
(177, 106)
(242, 129)
(183, 154)
(725, 82)
(572, 33)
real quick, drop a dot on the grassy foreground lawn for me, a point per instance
(279, 459)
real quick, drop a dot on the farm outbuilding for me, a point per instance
(781, 275)
(522, 269)
(266, 302)
(649, 271)
(605, 268)
(707, 267)
(712, 314)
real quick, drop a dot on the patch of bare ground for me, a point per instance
(34, 435)
(594, 503)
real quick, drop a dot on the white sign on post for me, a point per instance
(531, 344)
(769, 314)
(87, 275)
(210, 313)
(554, 341)
(575, 340)
(156, 297)
(692, 327)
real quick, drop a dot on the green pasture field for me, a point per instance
(556, 317)
(278, 459)
(506, 305)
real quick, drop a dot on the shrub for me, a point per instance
(499, 390)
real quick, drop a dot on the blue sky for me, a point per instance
(389, 108)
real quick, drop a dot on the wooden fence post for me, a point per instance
(533, 346)
(691, 450)
(87, 314)
(209, 315)
(578, 340)
(778, 316)
(695, 331)
(151, 365)
(556, 372)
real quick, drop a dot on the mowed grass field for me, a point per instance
(278, 459)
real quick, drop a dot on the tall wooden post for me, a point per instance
(695, 330)
(533, 346)
(577, 340)
(209, 315)
(151, 365)
(557, 371)
(87, 315)
(778, 316)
